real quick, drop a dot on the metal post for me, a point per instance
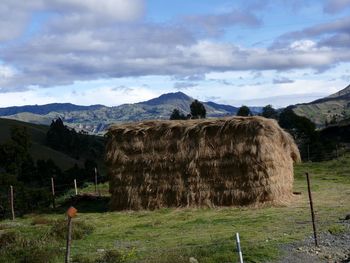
(11, 203)
(312, 209)
(239, 248)
(75, 187)
(53, 192)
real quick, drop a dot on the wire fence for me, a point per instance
(155, 244)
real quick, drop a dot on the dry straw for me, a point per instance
(213, 162)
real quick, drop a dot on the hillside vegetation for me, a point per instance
(331, 109)
(97, 118)
(39, 150)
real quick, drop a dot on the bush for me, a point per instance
(111, 256)
(14, 247)
(8, 239)
(41, 221)
(79, 229)
(336, 229)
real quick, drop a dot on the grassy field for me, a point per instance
(175, 235)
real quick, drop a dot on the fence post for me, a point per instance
(12, 203)
(337, 152)
(311, 208)
(95, 180)
(71, 212)
(239, 248)
(53, 192)
(75, 187)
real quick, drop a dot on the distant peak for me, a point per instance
(342, 92)
(165, 98)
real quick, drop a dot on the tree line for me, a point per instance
(312, 143)
(32, 178)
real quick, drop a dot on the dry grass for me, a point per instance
(216, 162)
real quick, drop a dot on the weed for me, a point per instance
(79, 229)
(336, 229)
(39, 220)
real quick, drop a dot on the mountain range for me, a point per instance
(333, 108)
(96, 118)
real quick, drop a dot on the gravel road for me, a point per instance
(333, 248)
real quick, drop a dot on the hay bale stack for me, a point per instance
(214, 162)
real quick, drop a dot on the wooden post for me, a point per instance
(69, 239)
(75, 187)
(53, 192)
(95, 180)
(312, 209)
(239, 248)
(308, 153)
(11, 203)
(336, 151)
(71, 212)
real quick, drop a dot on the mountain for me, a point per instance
(335, 107)
(47, 108)
(97, 118)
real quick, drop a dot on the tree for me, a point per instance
(177, 115)
(198, 110)
(269, 112)
(244, 111)
(298, 126)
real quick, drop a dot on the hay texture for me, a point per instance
(214, 162)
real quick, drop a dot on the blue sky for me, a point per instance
(115, 51)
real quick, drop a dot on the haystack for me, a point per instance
(213, 162)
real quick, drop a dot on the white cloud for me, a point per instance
(15, 15)
(303, 45)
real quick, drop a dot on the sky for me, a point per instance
(112, 52)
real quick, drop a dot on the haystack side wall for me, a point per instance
(210, 163)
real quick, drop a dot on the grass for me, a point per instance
(175, 235)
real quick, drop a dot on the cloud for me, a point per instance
(214, 24)
(184, 85)
(16, 15)
(82, 44)
(331, 34)
(336, 6)
(282, 80)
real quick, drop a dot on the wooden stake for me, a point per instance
(71, 212)
(312, 209)
(69, 239)
(75, 186)
(95, 180)
(53, 192)
(11, 203)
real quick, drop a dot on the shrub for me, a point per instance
(41, 221)
(111, 256)
(79, 229)
(14, 247)
(336, 229)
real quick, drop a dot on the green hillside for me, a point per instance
(333, 108)
(38, 149)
